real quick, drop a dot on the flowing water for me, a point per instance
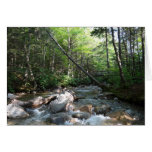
(87, 95)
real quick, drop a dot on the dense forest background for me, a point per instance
(113, 56)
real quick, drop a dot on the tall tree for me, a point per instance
(119, 40)
(143, 46)
(118, 58)
(108, 65)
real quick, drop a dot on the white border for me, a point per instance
(74, 13)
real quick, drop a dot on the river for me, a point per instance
(105, 109)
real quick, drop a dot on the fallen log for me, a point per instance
(78, 66)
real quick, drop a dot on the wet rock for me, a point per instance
(35, 103)
(50, 98)
(21, 103)
(103, 109)
(38, 101)
(60, 103)
(11, 96)
(69, 107)
(130, 112)
(115, 99)
(120, 115)
(74, 120)
(81, 115)
(14, 111)
(59, 118)
(86, 108)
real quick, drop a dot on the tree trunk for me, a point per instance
(69, 50)
(139, 63)
(126, 51)
(143, 46)
(53, 60)
(107, 49)
(118, 59)
(44, 55)
(27, 54)
(119, 39)
(133, 54)
(78, 66)
(131, 60)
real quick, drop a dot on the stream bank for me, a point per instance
(82, 105)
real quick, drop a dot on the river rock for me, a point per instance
(86, 108)
(14, 111)
(115, 99)
(60, 103)
(69, 107)
(50, 98)
(21, 103)
(11, 96)
(38, 101)
(102, 109)
(59, 118)
(120, 115)
(81, 115)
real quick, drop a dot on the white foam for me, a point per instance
(96, 120)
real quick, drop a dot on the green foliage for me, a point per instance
(45, 79)
(32, 52)
(14, 81)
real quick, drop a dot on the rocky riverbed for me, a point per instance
(82, 105)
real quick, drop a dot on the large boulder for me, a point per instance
(21, 103)
(15, 111)
(59, 104)
(50, 98)
(35, 103)
(38, 101)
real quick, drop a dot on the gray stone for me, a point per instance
(38, 101)
(59, 118)
(81, 115)
(14, 111)
(60, 103)
(103, 109)
(11, 96)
